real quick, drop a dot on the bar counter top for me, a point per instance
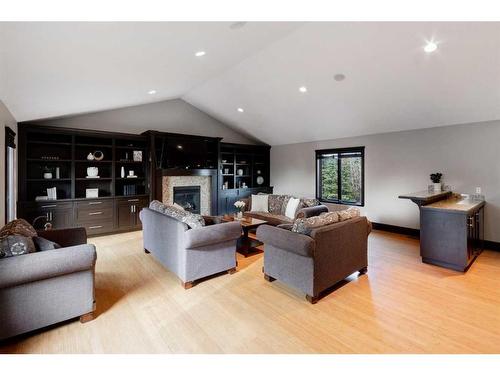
(425, 197)
(456, 203)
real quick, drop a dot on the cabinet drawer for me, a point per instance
(93, 213)
(138, 201)
(98, 227)
(95, 204)
(50, 205)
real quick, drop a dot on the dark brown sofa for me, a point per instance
(277, 204)
(316, 262)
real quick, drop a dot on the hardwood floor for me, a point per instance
(400, 306)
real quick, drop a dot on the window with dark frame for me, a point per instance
(340, 175)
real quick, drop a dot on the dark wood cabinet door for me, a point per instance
(62, 218)
(125, 215)
(226, 202)
(138, 206)
(60, 215)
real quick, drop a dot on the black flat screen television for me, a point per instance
(186, 153)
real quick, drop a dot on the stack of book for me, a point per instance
(52, 193)
(129, 190)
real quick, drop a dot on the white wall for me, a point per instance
(400, 162)
(6, 119)
(174, 116)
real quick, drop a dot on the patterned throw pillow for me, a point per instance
(157, 206)
(276, 203)
(310, 202)
(174, 212)
(330, 217)
(193, 220)
(350, 213)
(20, 227)
(15, 244)
(307, 225)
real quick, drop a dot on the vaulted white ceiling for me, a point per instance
(391, 84)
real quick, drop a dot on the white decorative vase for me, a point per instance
(92, 172)
(437, 186)
(239, 215)
(122, 172)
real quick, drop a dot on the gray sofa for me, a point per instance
(48, 287)
(315, 263)
(191, 254)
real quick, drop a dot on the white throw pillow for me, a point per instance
(291, 207)
(260, 203)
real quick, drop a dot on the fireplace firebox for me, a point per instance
(188, 197)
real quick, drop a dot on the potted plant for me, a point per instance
(436, 179)
(240, 205)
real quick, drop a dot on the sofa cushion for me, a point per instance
(20, 227)
(260, 203)
(270, 218)
(16, 244)
(285, 226)
(43, 244)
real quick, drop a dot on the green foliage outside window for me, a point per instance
(351, 177)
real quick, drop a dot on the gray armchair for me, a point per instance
(315, 263)
(191, 254)
(48, 287)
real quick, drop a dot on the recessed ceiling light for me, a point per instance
(339, 77)
(200, 53)
(430, 47)
(240, 110)
(237, 25)
(152, 92)
(303, 89)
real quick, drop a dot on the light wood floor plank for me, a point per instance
(400, 306)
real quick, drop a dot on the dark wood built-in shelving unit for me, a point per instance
(253, 161)
(44, 149)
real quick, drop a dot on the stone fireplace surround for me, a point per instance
(205, 178)
(204, 182)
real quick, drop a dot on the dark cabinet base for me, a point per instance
(227, 198)
(97, 216)
(450, 239)
(450, 266)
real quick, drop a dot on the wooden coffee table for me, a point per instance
(246, 245)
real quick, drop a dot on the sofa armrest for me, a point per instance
(65, 237)
(311, 211)
(211, 220)
(32, 267)
(286, 240)
(212, 234)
